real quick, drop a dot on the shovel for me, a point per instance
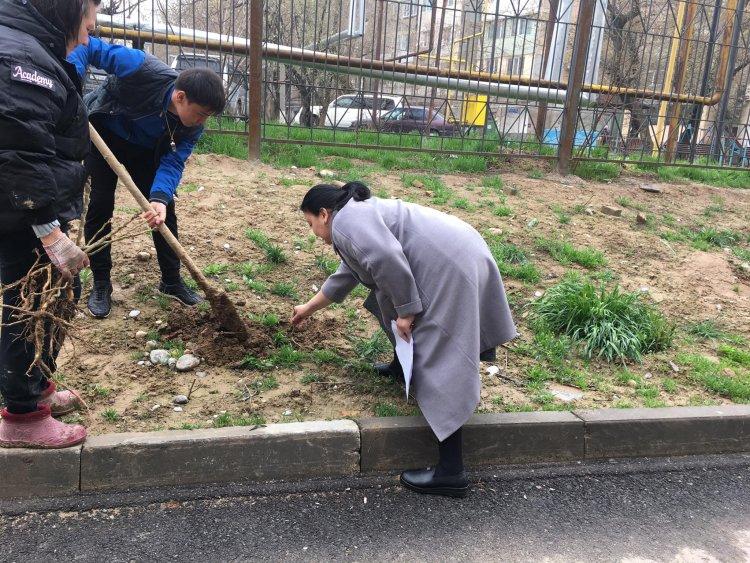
(222, 307)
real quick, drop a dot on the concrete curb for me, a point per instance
(339, 448)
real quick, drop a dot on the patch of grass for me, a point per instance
(440, 192)
(190, 283)
(597, 171)
(175, 347)
(607, 323)
(562, 215)
(502, 211)
(536, 174)
(273, 252)
(190, 426)
(322, 356)
(669, 386)
(708, 237)
(566, 253)
(713, 177)
(285, 289)
(255, 285)
(286, 356)
(463, 203)
(268, 319)
(328, 265)
(495, 183)
(251, 361)
(230, 286)
(225, 420)
(735, 355)
(717, 206)
(215, 270)
(203, 307)
(360, 291)
(266, 384)
(309, 378)
(85, 276)
(712, 377)
(707, 330)
(188, 188)
(370, 349)
(100, 391)
(511, 260)
(251, 270)
(111, 415)
(627, 202)
(280, 338)
(383, 409)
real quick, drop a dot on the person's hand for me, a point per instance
(301, 312)
(156, 216)
(64, 254)
(404, 325)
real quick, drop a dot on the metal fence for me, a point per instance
(662, 81)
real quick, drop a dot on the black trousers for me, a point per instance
(142, 164)
(18, 252)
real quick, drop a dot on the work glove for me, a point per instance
(66, 257)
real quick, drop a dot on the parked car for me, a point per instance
(411, 119)
(346, 109)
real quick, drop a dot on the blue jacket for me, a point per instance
(133, 104)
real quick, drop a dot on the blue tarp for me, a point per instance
(552, 137)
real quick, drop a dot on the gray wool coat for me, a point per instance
(421, 262)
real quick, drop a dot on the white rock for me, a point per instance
(144, 256)
(134, 314)
(172, 362)
(326, 173)
(180, 400)
(287, 413)
(538, 293)
(159, 356)
(674, 366)
(177, 409)
(187, 362)
(141, 334)
(227, 246)
(493, 370)
(152, 345)
(201, 374)
(155, 407)
(315, 288)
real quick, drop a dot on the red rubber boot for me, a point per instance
(61, 402)
(38, 430)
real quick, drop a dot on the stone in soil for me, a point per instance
(160, 357)
(611, 211)
(651, 188)
(187, 362)
(565, 393)
(180, 400)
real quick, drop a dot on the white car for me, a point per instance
(348, 109)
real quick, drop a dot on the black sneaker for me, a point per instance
(100, 300)
(181, 292)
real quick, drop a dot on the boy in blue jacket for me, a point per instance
(151, 117)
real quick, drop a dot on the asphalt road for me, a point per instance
(634, 512)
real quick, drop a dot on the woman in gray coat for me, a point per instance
(435, 277)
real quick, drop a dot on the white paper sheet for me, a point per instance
(405, 353)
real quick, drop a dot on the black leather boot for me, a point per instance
(426, 481)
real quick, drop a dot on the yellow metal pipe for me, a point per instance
(339, 62)
(668, 77)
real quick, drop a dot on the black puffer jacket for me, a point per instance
(43, 122)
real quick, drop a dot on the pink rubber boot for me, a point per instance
(61, 402)
(38, 430)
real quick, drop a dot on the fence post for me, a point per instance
(575, 81)
(255, 81)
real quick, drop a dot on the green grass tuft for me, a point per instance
(609, 324)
